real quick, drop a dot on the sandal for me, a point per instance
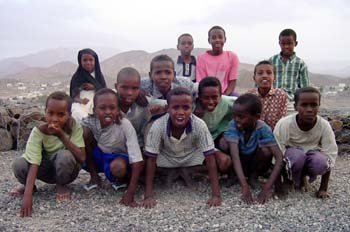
(117, 186)
(89, 187)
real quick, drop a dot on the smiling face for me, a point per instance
(210, 97)
(287, 44)
(264, 76)
(185, 45)
(162, 75)
(180, 110)
(128, 89)
(56, 113)
(88, 62)
(217, 40)
(243, 119)
(106, 109)
(307, 107)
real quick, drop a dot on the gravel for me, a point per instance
(178, 208)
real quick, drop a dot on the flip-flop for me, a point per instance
(89, 187)
(117, 186)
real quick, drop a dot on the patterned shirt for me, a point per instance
(274, 105)
(186, 151)
(186, 70)
(262, 136)
(290, 76)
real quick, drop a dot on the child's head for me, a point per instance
(209, 93)
(87, 59)
(307, 101)
(162, 72)
(179, 106)
(106, 107)
(185, 44)
(128, 85)
(264, 74)
(246, 111)
(58, 110)
(287, 41)
(217, 39)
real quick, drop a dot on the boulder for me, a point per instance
(6, 141)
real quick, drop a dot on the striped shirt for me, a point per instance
(291, 75)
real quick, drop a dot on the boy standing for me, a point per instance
(186, 63)
(291, 71)
(307, 141)
(179, 139)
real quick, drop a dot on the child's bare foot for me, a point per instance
(253, 182)
(62, 193)
(19, 190)
(322, 194)
(172, 175)
(306, 186)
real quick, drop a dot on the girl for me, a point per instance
(218, 63)
(85, 82)
(53, 153)
(274, 101)
(111, 144)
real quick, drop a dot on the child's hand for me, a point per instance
(262, 197)
(84, 101)
(149, 202)
(156, 109)
(214, 201)
(54, 129)
(247, 196)
(322, 194)
(128, 200)
(88, 86)
(141, 99)
(26, 209)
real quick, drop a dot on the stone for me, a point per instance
(6, 141)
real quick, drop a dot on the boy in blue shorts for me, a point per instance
(252, 146)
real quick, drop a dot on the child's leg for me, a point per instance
(315, 164)
(260, 163)
(119, 168)
(295, 163)
(223, 160)
(90, 145)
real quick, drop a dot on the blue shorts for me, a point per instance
(103, 160)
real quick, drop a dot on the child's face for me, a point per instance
(264, 76)
(106, 109)
(180, 110)
(287, 44)
(185, 45)
(243, 119)
(307, 107)
(88, 62)
(210, 97)
(56, 113)
(217, 40)
(128, 89)
(163, 75)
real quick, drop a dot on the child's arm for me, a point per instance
(303, 80)
(200, 69)
(128, 197)
(149, 201)
(237, 166)
(215, 200)
(230, 88)
(322, 191)
(27, 202)
(264, 194)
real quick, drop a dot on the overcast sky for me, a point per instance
(252, 27)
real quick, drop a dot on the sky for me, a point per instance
(252, 27)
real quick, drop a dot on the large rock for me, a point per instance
(6, 141)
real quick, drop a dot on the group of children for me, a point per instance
(181, 130)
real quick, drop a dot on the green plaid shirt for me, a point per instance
(290, 76)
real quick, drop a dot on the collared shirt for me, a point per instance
(261, 136)
(186, 70)
(290, 76)
(186, 151)
(274, 105)
(149, 86)
(115, 138)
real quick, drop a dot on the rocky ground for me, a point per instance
(178, 209)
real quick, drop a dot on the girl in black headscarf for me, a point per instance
(85, 82)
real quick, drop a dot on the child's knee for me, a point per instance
(223, 162)
(20, 169)
(66, 167)
(119, 167)
(296, 158)
(317, 164)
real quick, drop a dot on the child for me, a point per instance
(186, 64)
(216, 111)
(252, 144)
(85, 82)
(291, 71)
(179, 139)
(218, 63)
(128, 90)
(274, 101)
(307, 141)
(111, 143)
(162, 78)
(53, 153)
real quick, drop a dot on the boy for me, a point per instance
(252, 144)
(179, 139)
(162, 78)
(291, 71)
(186, 64)
(307, 141)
